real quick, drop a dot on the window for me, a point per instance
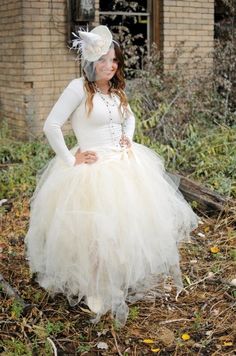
(130, 22)
(80, 13)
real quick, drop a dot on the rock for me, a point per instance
(166, 336)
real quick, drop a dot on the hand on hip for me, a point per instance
(87, 157)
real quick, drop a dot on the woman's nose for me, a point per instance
(108, 64)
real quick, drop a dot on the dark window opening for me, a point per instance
(121, 5)
(81, 13)
(129, 22)
(225, 20)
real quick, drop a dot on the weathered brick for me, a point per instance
(36, 63)
(192, 25)
(170, 14)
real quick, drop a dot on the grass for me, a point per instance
(199, 322)
(206, 157)
(205, 311)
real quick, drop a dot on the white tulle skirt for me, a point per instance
(109, 230)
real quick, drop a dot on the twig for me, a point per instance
(214, 305)
(8, 321)
(173, 321)
(53, 346)
(201, 280)
(116, 343)
(223, 311)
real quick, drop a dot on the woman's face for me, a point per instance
(106, 66)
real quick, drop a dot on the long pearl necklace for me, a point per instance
(109, 104)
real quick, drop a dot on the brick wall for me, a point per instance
(36, 62)
(48, 64)
(192, 24)
(11, 63)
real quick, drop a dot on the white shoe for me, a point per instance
(94, 304)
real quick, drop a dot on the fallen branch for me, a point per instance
(207, 200)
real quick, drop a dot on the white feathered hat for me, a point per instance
(94, 44)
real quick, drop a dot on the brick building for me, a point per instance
(36, 63)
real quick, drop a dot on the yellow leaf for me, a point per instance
(215, 249)
(13, 315)
(206, 229)
(188, 279)
(148, 341)
(228, 343)
(185, 337)
(155, 350)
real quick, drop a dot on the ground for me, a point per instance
(201, 321)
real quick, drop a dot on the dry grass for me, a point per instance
(205, 311)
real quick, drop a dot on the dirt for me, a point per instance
(201, 321)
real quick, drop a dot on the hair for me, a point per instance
(117, 83)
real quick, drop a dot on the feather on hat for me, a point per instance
(94, 44)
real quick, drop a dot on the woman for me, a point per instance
(105, 219)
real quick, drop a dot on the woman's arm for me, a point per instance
(130, 125)
(61, 111)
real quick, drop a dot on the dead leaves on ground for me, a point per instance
(200, 322)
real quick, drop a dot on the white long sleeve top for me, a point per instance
(91, 131)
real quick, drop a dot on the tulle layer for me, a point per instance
(108, 230)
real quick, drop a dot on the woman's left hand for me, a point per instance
(125, 142)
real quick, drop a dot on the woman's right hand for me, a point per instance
(87, 157)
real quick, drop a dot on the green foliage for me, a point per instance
(233, 254)
(38, 295)
(20, 162)
(47, 349)
(16, 309)
(197, 320)
(15, 347)
(167, 102)
(188, 120)
(133, 313)
(84, 348)
(54, 328)
(206, 157)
